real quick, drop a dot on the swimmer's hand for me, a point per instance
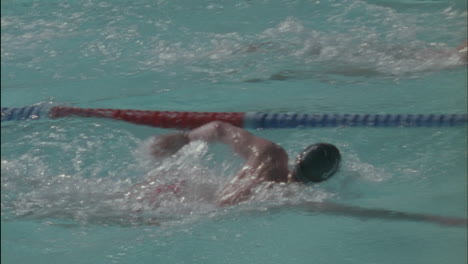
(166, 145)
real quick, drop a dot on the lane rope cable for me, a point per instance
(255, 120)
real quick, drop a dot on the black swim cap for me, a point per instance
(317, 163)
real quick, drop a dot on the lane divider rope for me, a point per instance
(256, 120)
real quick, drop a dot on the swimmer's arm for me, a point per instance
(366, 213)
(166, 145)
(265, 159)
(241, 141)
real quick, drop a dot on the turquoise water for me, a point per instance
(61, 179)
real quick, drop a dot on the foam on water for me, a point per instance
(91, 178)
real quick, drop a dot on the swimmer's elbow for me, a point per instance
(212, 131)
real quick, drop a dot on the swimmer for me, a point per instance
(430, 58)
(267, 162)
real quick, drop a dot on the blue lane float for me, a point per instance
(23, 113)
(294, 120)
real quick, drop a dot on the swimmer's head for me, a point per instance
(316, 163)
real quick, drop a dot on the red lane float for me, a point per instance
(163, 119)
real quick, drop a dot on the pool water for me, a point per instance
(63, 180)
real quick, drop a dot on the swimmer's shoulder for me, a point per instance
(271, 163)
